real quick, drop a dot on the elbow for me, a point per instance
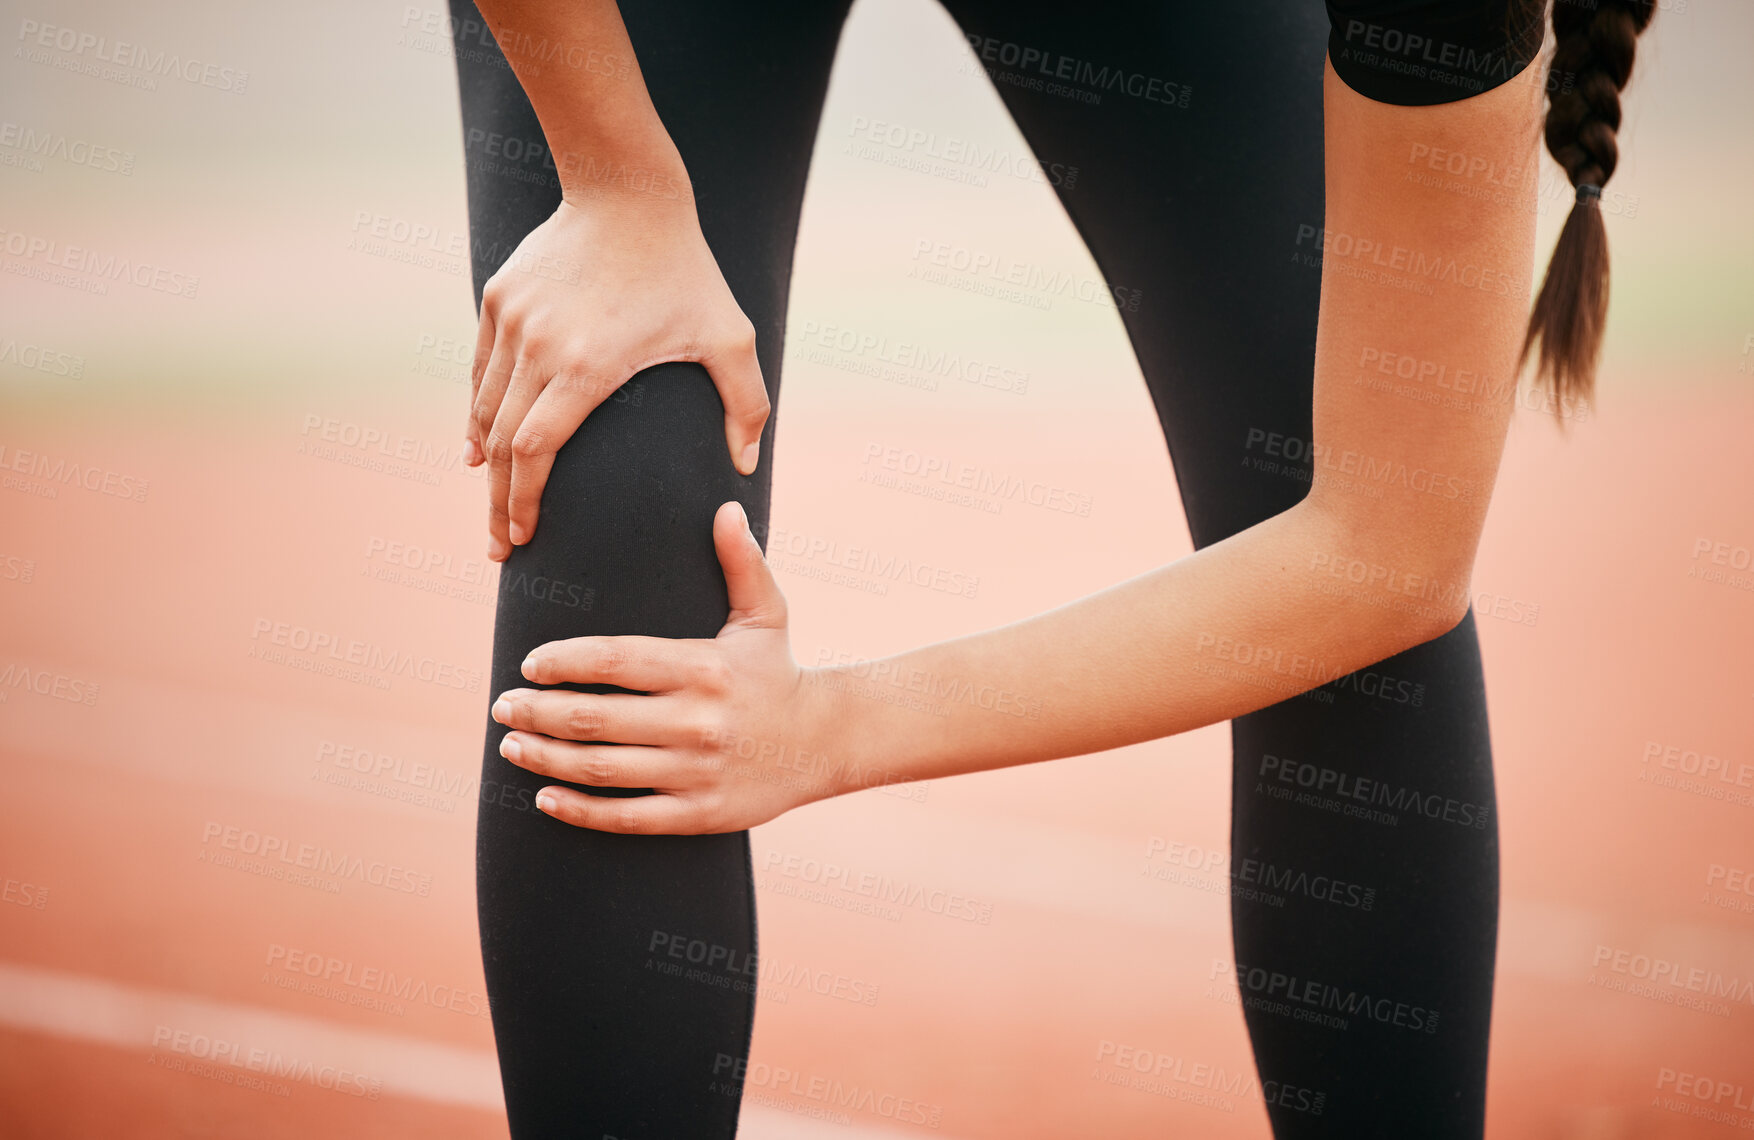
(1426, 623)
(1429, 605)
(1409, 572)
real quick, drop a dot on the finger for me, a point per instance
(495, 379)
(596, 765)
(628, 815)
(755, 597)
(551, 421)
(472, 454)
(598, 718)
(528, 380)
(649, 664)
(736, 373)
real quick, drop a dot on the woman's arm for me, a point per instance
(576, 65)
(1424, 298)
(617, 280)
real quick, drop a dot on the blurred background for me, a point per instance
(234, 352)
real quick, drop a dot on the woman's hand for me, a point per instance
(612, 283)
(726, 732)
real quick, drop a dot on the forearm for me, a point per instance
(576, 64)
(1242, 624)
(1419, 282)
(1376, 558)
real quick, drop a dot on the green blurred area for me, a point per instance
(352, 108)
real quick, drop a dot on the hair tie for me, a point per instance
(1588, 190)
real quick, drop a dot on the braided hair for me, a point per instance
(1595, 43)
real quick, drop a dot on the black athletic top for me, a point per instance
(1419, 52)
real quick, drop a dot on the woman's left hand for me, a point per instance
(726, 732)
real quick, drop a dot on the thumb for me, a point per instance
(755, 597)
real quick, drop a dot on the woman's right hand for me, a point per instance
(610, 284)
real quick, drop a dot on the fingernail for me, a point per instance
(510, 748)
(502, 708)
(750, 457)
(471, 453)
(519, 534)
(528, 668)
(497, 548)
(545, 801)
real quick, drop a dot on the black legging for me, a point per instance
(1365, 943)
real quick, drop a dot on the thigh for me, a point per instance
(1364, 844)
(621, 969)
(1196, 130)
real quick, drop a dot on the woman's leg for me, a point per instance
(589, 939)
(1199, 167)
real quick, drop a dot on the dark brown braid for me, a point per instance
(1594, 44)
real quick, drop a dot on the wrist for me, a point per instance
(640, 172)
(837, 725)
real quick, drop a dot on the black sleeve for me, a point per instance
(1419, 52)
